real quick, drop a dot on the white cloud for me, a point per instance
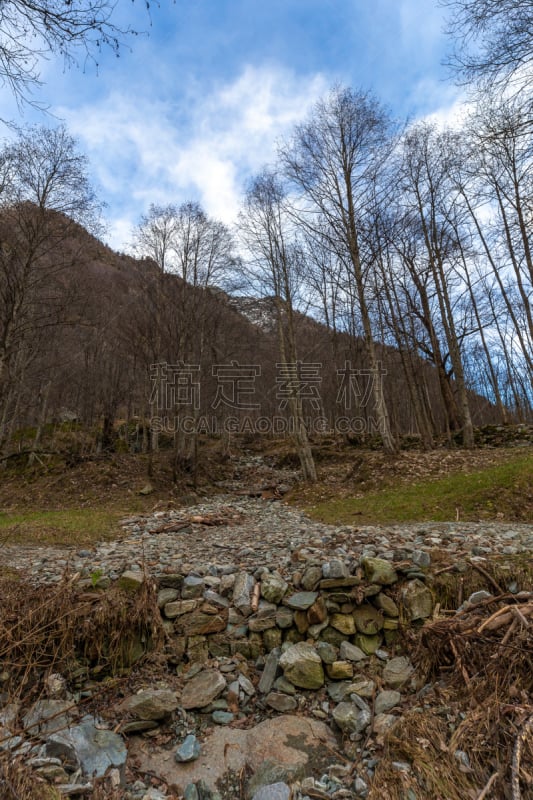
(144, 151)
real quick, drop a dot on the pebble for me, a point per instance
(280, 532)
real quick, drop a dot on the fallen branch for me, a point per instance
(488, 786)
(517, 757)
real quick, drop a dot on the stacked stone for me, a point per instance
(347, 611)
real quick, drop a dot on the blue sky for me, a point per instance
(197, 105)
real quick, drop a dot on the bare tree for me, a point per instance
(493, 39)
(31, 30)
(45, 192)
(332, 160)
(275, 267)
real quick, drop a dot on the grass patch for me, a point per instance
(71, 526)
(502, 492)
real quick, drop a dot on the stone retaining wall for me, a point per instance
(348, 613)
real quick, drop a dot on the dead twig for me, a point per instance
(488, 786)
(486, 575)
(517, 757)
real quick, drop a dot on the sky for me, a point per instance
(196, 104)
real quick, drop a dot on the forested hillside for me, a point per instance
(377, 283)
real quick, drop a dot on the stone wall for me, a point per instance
(347, 611)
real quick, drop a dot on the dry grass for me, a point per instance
(59, 629)
(480, 662)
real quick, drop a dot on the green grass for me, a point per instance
(503, 492)
(68, 526)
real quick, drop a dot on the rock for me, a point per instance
(242, 593)
(165, 596)
(335, 569)
(150, 704)
(386, 700)
(397, 672)
(222, 717)
(199, 624)
(269, 672)
(301, 601)
(379, 571)
(284, 617)
(350, 718)
(421, 558)
(285, 686)
(350, 652)
(189, 750)
(281, 702)
(273, 791)
(317, 613)
(176, 608)
(131, 581)
(386, 604)
(311, 578)
(417, 600)
(273, 587)
(192, 588)
(477, 597)
(272, 639)
(340, 670)
(368, 619)
(202, 689)
(345, 623)
(271, 772)
(94, 749)
(302, 666)
(327, 652)
(48, 716)
(246, 685)
(363, 687)
(147, 489)
(368, 644)
(264, 619)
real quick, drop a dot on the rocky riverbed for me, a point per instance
(285, 668)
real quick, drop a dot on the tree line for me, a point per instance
(369, 248)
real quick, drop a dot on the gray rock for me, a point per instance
(301, 601)
(269, 672)
(176, 608)
(242, 593)
(281, 702)
(131, 581)
(151, 704)
(477, 597)
(327, 652)
(95, 750)
(386, 700)
(222, 717)
(335, 569)
(191, 792)
(189, 750)
(421, 558)
(397, 672)
(284, 617)
(350, 652)
(165, 596)
(192, 588)
(350, 718)
(417, 600)
(311, 578)
(202, 689)
(302, 666)
(273, 587)
(273, 791)
(48, 716)
(379, 571)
